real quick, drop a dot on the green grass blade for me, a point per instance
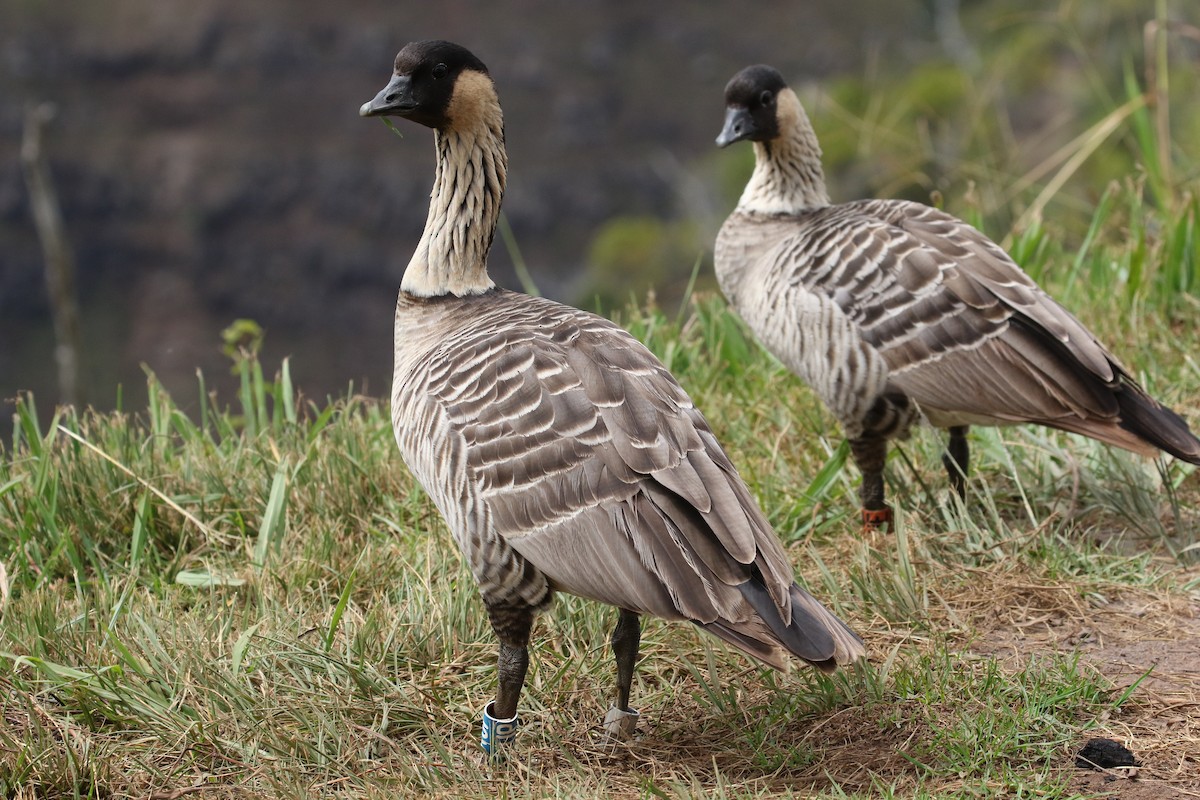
(827, 475)
(204, 579)
(238, 655)
(287, 391)
(273, 525)
(338, 611)
(141, 530)
(524, 276)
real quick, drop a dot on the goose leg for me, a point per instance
(955, 459)
(870, 453)
(621, 720)
(626, 639)
(512, 624)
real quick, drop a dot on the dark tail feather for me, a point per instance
(1148, 419)
(765, 652)
(806, 638)
(815, 634)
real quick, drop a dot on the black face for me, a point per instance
(423, 82)
(750, 99)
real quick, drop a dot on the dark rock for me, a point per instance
(1105, 754)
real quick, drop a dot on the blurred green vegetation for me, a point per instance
(1044, 117)
(630, 256)
(1072, 97)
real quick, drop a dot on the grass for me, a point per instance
(257, 600)
(263, 603)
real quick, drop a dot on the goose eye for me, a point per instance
(766, 97)
(440, 71)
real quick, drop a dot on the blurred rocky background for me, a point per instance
(211, 164)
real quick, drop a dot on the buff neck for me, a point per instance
(787, 170)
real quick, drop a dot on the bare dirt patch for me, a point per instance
(1144, 643)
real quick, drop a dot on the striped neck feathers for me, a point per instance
(464, 206)
(787, 170)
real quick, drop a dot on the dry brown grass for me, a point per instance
(1001, 640)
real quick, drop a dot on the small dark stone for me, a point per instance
(1104, 754)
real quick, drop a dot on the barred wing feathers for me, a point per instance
(587, 458)
(962, 329)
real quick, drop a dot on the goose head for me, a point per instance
(443, 86)
(440, 85)
(751, 106)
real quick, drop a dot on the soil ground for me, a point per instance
(1149, 640)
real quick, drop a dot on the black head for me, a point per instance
(751, 97)
(423, 83)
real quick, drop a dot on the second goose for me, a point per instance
(562, 454)
(890, 310)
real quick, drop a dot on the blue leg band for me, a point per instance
(497, 732)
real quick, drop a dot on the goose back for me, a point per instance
(564, 456)
(870, 296)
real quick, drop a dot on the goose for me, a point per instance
(892, 311)
(562, 454)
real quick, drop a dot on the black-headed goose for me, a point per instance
(562, 454)
(890, 309)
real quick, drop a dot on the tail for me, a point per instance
(814, 634)
(1118, 411)
(1152, 422)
